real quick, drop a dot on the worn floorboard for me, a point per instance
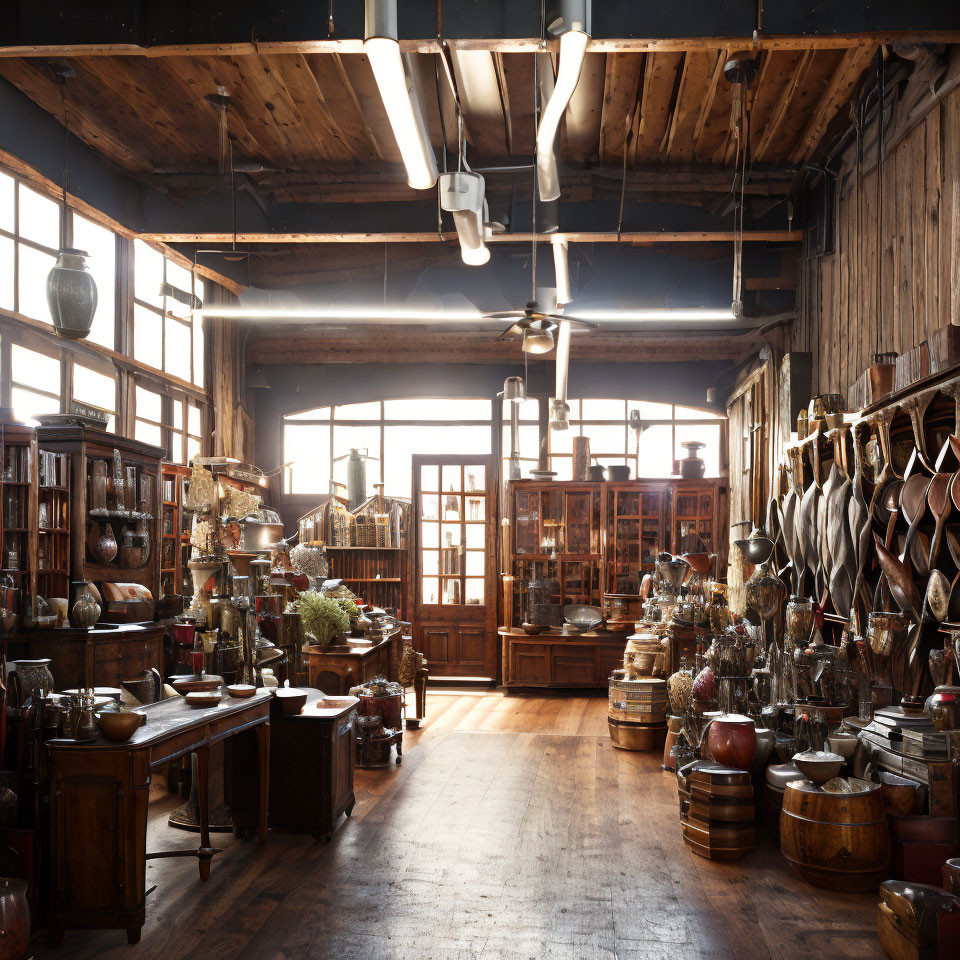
(512, 830)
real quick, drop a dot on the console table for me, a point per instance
(98, 808)
(335, 669)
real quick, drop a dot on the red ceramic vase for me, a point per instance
(14, 919)
(730, 740)
(705, 685)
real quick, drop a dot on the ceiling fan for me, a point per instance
(536, 326)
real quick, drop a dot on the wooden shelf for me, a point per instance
(369, 579)
(318, 544)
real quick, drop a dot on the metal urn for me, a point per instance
(71, 294)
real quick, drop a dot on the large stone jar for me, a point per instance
(71, 294)
(730, 740)
(14, 918)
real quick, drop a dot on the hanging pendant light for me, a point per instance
(71, 289)
(538, 337)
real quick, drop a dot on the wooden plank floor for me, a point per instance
(512, 830)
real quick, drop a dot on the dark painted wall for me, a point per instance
(213, 21)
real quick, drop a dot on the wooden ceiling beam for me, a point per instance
(628, 237)
(482, 347)
(834, 41)
(782, 108)
(838, 91)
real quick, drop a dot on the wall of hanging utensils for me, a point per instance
(866, 520)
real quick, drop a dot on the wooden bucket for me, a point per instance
(839, 841)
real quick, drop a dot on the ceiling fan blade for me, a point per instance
(504, 315)
(578, 321)
(511, 331)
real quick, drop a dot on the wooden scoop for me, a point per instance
(913, 503)
(902, 588)
(940, 504)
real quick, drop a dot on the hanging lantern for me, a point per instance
(71, 294)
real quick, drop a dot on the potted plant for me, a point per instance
(351, 609)
(322, 617)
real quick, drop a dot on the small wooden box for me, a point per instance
(943, 347)
(911, 366)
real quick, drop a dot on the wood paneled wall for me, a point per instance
(889, 284)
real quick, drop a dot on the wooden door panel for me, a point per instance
(435, 644)
(473, 645)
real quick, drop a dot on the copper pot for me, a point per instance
(730, 740)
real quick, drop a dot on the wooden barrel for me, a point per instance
(643, 700)
(633, 735)
(839, 841)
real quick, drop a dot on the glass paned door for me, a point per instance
(455, 504)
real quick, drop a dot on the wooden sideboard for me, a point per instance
(552, 660)
(100, 657)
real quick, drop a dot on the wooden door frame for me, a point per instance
(491, 611)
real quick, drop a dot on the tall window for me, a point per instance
(101, 246)
(148, 424)
(646, 436)
(528, 437)
(317, 443)
(165, 333)
(29, 241)
(34, 382)
(90, 386)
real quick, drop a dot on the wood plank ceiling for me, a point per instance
(316, 125)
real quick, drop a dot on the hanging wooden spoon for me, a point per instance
(940, 504)
(899, 580)
(913, 503)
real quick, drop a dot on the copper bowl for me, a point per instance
(191, 684)
(119, 726)
(241, 690)
(818, 766)
(290, 700)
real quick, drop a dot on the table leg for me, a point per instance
(205, 852)
(263, 755)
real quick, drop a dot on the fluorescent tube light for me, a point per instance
(398, 93)
(380, 314)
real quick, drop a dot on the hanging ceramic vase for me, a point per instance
(71, 294)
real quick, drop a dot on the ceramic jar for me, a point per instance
(14, 919)
(71, 294)
(84, 611)
(730, 740)
(798, 620)
(943, 707)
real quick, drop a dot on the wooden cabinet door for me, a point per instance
(530, 663)
(574, 667)
(455, 613)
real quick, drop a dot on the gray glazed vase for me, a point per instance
(71, 294)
